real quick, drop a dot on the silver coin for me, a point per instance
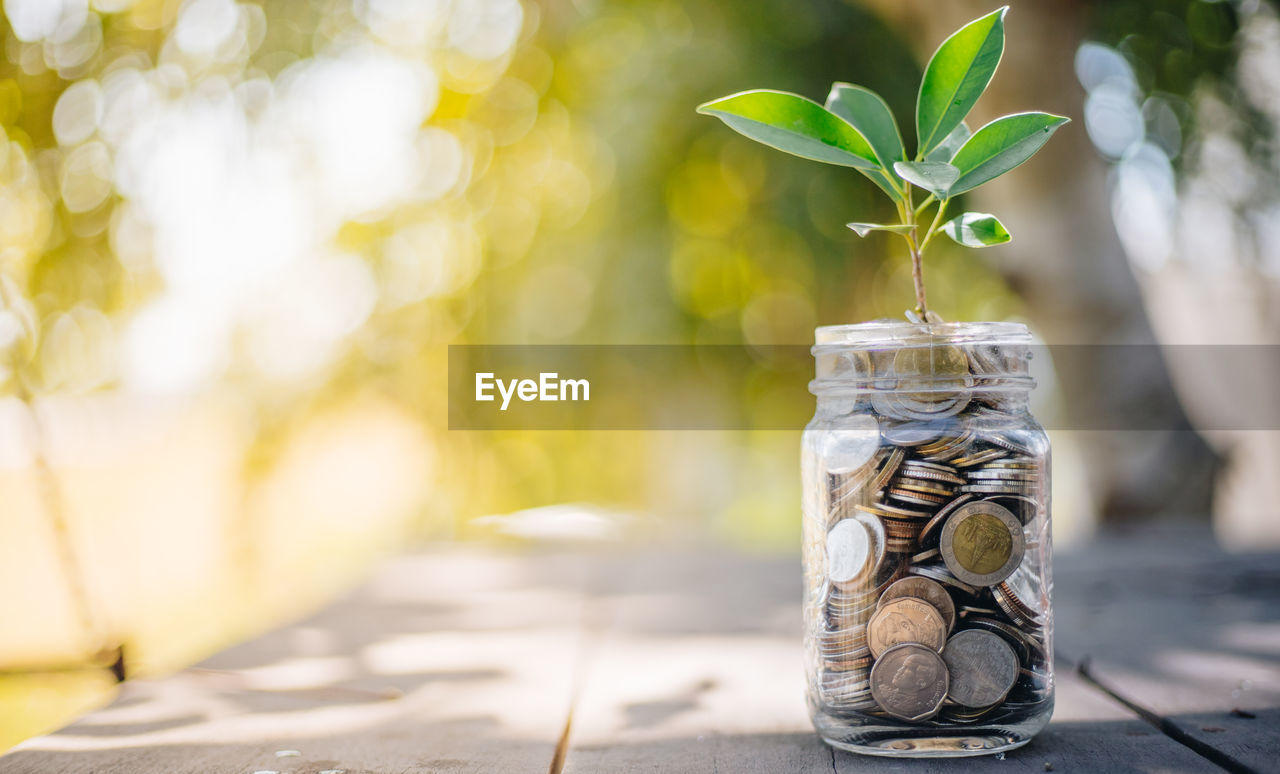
(855, 548)
(850, 447)
(982, 668)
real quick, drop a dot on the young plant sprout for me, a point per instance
(855, 128)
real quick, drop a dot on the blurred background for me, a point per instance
(237, 237)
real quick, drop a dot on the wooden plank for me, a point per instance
(1174, 625)
(453, 660)
(690, 662)
(667, 690)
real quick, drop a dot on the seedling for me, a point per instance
(855, 128)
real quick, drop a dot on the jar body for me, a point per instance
(927, 548)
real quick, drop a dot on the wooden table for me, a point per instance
(466, 659)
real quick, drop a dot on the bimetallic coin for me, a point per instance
(909, 682)
(855, 548)
(905, 620)
(982, 543)
(982, 667)
(927, 590)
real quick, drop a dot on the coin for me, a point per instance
(931, 470)
(978, 458)
(1024, 645)
(922, 487)
(1014, 596)
(885, 510)
(909, 682)
(905, 620)
(1002, 474)
(982, 667)
(855, 548)
(926, 556)
(945, 361)
(887, 470)
(982, 543)
(916, 498)
(909, 433)
(851, 447)
(927, 590)
(941, 574)
(935, 523)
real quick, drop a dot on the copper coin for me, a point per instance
(982, 543)
(982, 667)
(927, 590)
(909, 682)
(905, 620)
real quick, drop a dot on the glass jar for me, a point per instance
(928, 624)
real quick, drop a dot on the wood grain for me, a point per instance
(461, 659)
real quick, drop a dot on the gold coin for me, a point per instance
(982, 543)
(906, 619)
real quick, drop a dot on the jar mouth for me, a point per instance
(888, 356)
(880, 334)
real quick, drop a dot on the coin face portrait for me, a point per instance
(909, 682)
(982, 543)
(915, 674)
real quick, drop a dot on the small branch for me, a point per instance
(933, 227)
(917, 265)
(917, 277)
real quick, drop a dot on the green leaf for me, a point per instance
(1002, 145)
(868, 113)
(795, 125)
(950, 144)
(976, 229)
(862, 229)
(956, 76)
(936, 177)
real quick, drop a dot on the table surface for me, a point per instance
(462, 659)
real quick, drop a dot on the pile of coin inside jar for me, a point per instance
(932, 599)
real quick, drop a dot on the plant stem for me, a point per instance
(933, 227)
(917, 276)
(917, 265)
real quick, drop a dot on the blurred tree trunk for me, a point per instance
(1066, 260)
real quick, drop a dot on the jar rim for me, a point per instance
(888, 332)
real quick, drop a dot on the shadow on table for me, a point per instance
(1118, 746)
